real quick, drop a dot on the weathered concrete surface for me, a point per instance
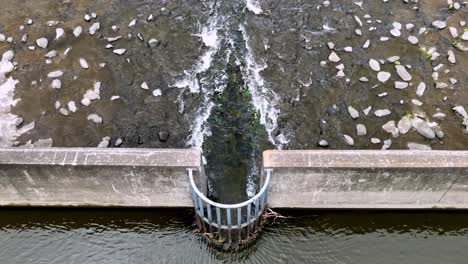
(97, 177)
(368, 179)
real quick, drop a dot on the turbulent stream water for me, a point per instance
(233, 78)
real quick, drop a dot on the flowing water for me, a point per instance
(232, 78)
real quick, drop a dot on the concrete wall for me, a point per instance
(97, 177)
(368, 179)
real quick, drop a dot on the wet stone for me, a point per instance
(403, 73)
(439, 24)
(353, 112)
(361, 130)
(383, 76)
(42, 43)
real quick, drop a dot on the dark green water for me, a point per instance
(30, 236)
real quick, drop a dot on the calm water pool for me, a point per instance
(156, 236)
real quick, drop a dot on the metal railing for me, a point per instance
(243, 217)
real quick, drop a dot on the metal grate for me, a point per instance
(244, 218)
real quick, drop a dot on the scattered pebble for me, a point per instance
(119, 51)
(144, 86)
(382, 112)
(383, 76)
(55, 74)
(413, 40)
(95, 118)
(401, 85)
(72, 106)
(333, 57)
(84, 63)
(439, 24)
(348, 140)
(361, 130)
(404, 125)
(42, 43)
(353, 112)
(105, 142)
(417, 146)
(59, 32)
(77, 31)
(132, 23)
(56, 84)
(403, 73)
(157, 92)
(63, 111)
(374, 65)
(94, 28)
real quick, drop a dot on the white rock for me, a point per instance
(84, 63)
(59, 32)
(409, 26)
(56, 84)
(132, 23)
(114, 97)
(353, 112)
(157, 92)
(63, 111)
(85, 101)
(395, 32)
(144, 86)
(439, 116)
(374, 65)
(439, 24)
(451, 56)
(367, 110)
(387, 144)
(24, 38)
(363, 79)
(29, 22)
(94, 28)
(348, 49)
(462, 23)
(464, 36)
(382, 112)
(331, 45)
(453, 32)
(150, 18)
(51, 54)
(393, 59)
(403, 73)
(87, 17)
(119, 51)
(77, 31)
(118, 142)
(105, 142)
(55, 74)
(375, 140)
(8, 55)
(383, 76)
(72, 106)
(348, 140)
(57, 105)
(416, 102)
(361, 130)
(323, 143)
(390, 127)
(423, 128)
(416, 146)
(333, 57)
(441, 85)
(421, 88)
(42, 43)
(2, 38)
(397, 25)
(461, 111)
(404, 125)
(366, 44)
(413, 40)
(95, 118)
(384, 39)
(401, 85)
(114, 39)
(358, 32)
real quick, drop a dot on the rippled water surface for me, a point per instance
(153, 236)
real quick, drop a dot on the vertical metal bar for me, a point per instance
(239, 221)
(257, 204)
(200, 207)
(228, 217)
(218, 216)
(208, 211)
(202, 212)
(229, 223)
(249, 209)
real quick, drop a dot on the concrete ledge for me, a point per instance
(365, 179)
(98, 177)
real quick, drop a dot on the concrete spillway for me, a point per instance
(97, 177)
(368, 179)
(299, 179)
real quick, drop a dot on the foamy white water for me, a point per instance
(8, 129)
(263, 99)
(254, 6)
